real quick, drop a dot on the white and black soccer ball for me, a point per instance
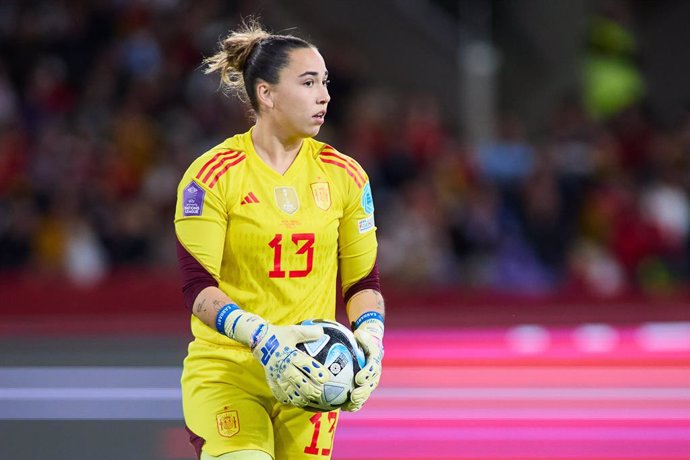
(339, 352)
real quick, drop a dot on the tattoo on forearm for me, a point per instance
(380, 304)
(218, 304)
(200, 306)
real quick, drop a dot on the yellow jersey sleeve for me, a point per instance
(357, 244)
(201, 214)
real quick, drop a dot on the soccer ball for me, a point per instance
(340, 353)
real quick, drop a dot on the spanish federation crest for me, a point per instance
(228, 423)
(286, 199)
(322, 195)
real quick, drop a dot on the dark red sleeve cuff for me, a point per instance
(371, 281)
(195, 278)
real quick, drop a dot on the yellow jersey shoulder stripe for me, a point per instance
(331, 156)
(218, 165)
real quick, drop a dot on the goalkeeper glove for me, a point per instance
(292, 375)
(368, 331)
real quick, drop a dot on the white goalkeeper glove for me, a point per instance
(292, 375)
(368, 331)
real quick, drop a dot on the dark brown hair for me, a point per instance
(248, 54)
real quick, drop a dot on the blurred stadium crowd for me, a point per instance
(103, 105)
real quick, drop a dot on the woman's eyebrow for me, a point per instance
(311, 73)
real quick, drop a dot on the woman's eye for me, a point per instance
(309, 83)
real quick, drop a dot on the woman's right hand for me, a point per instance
(293, 376)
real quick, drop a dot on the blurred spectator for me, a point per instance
(509, 158)
(634, 137)
(612, 81)
(413, 244)
(543, 219)
(423, 130)
(18, 230)
(592, 269)
(8, 98)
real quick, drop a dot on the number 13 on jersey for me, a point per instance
(302, 244)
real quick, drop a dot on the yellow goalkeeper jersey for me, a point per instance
(275, 243)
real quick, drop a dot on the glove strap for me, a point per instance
(373, 322)
(246, 328)
(365, 317)
(223, 315)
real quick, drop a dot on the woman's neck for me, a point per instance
(276, 151)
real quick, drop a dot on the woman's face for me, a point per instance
(300, 97)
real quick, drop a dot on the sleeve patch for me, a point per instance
(193, 200)
(367, 200)
(366, 224)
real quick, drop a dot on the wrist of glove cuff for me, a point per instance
(371, 322)
(246, 328)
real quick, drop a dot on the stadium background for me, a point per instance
(530, 161)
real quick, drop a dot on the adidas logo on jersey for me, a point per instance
(249, 198)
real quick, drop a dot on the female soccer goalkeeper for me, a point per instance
(265, 221)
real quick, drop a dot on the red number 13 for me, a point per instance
(307, 247)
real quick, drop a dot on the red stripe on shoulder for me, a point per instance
(354, 166)
(210, 162)
(336, 158)
(347, 170)
(223, 159)
(235, 159)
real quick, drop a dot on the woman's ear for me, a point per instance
(264, 94)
